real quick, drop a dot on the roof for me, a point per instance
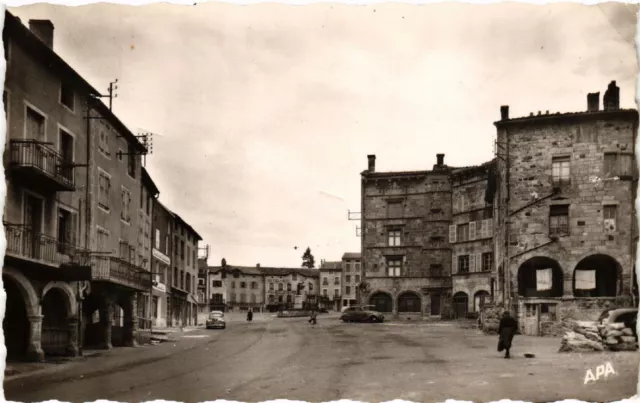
(148, 182)
(184, 223)
(569, 116)
(37, 49)
(331, 266)
(470, 169)
(352, 255)
(267, 271)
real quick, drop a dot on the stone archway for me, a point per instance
(460, 304)
(56, 337)
(381, 301)
(22, 321)
(540, 277)
(597, 275)
(409, 302)
(479, 299)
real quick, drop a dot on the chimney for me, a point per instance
(258, 266)
(43, 29)
(372, 163)
(440, 158)
(611, 99)
(504, 112)
(593, 102)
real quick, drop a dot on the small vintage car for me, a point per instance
(361, 314)
(216, 320)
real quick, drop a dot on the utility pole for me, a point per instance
(113, 86)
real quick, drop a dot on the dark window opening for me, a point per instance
(67, 96)
(559, 220)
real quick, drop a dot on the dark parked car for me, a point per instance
(216, 320)
(361, 314)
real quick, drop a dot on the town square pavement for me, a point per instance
(273, 358)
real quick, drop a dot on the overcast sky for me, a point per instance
(266, 113)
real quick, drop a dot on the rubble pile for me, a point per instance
(618, 337)
(490, 320)
(589, 336)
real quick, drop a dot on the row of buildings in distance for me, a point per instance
(241, 288)
(93, 259)
(547, 228)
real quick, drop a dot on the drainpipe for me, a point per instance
(507, 265)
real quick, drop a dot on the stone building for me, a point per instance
(406, 255)
(183, 304)
(162, 230)
(471, 239)
(46, 262)
(565, 223)
(351, 276)
(290, 286)
(331, 285)
(245, 288)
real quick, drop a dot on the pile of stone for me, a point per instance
(490, 319)
(618, 337)
(574, 342)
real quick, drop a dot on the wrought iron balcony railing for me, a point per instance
(119, 271)
(23, 242)
(42, 164)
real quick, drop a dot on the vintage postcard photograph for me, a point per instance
(320, 202)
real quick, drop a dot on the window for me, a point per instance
(436, 270)
(357, 267)
(157, 240)
(463, 264)
(216, 283)
(347, 290)
(233, 284)
(131, 162)
(270, 286)
(66, 152)
(463, 232)
(561, 170)
(336, 293)
(357, 278)
(103, 240)
(559, 220)
(487, 261)
(610, 216)
(310, 286)
(243, 298)
(233, 297)
(243, 284)
(288, 286)
(347, 267)
(394, 267)
(67, 96)
(254, 285)
(617, 165)
(35, 125)
(103, 141)
(336, 280)
(125, 214)
(347, 279)
(104, 191)
(65, 231)
(325, 281)
(294, 277)
(280, 287)
(548, 312)
(325, 292)
(394, 209)
(394, 237)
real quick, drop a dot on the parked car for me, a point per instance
(628, 316)
(361, 314)
(216, 320)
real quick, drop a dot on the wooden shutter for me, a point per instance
(454, 268)
(472, 230)
(479, 266)
(472, 263)
(452, 234)
(488, 224)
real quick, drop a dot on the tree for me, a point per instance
(308, 260)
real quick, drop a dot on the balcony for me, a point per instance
(118, 271)
(37, 163)
(35, 250)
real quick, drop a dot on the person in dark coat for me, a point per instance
(250, 315)
(508, 328)
(313, 316)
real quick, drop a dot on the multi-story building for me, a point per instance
(45, 209)
(406, 255)
(148, 194)
(351, 276)
(566, 223)
(471, 239)
(183, 304)
(331, 285)
(289, 286)
(162, 230)
(74, 178)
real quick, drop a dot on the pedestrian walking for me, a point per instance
(312, 317)
(507, 329)
(250, 315)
